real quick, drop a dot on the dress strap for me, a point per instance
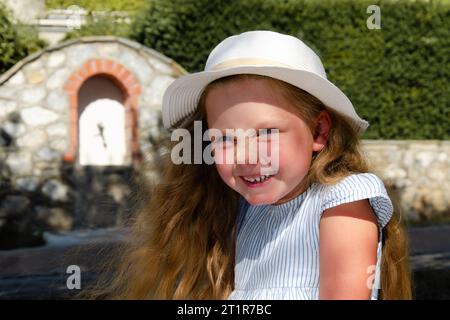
(376, 284)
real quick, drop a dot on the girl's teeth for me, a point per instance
(257, 179)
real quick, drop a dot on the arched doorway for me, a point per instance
(103, 98)
(102, 132)
(103, 79)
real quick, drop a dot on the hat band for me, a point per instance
(238, 62)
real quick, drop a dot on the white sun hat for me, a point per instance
(261, 52)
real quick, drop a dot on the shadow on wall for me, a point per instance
(68, 196)
(424, 210)
(82, 198)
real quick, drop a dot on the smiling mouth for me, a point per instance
(256, 180)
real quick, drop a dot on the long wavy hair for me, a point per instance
(182, 241)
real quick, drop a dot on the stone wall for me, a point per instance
(418, 173)
(42, 187)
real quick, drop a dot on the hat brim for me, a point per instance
(182, 96)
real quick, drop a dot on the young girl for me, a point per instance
(319, 226)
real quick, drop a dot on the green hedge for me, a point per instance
(98, 5)
(101, 25)
(104, 26)
(16, 41)
(397, 77)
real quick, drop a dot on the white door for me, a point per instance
(102, 134)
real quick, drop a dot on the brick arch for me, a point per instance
(124, 79)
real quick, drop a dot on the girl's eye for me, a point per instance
(225, 139)
(266, 132)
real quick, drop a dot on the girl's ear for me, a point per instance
(322, 130)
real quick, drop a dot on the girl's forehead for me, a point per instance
(259, 89)
(247, 100)
(251, 115)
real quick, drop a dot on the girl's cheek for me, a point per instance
(225, 172)
(223, 156)
(283, 155)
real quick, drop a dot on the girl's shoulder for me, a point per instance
(358, 181)
(359, 186)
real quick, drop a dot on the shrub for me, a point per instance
(104, 26)
(397, 77)
(16, 41)
(98, 5)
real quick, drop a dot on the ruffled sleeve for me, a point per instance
(357, 187)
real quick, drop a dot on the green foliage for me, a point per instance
(16, 41)
(98, 5)
(104, 26)
(397, 77)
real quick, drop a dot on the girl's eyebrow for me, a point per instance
(270, 124)
(265, 124)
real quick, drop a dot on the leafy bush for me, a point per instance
(98, 5)
(100, 25)
(105, 26)
(397, 77)
(16, 41)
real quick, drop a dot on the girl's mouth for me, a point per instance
(257, 181)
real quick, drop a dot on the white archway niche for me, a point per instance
(102, 134)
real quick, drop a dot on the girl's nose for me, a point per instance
(261, 153)
(246, 151)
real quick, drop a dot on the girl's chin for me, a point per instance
(259, 199)
(254, 196)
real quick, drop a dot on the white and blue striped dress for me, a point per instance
(277, 246)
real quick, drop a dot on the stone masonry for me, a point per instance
(418, 173)
(39, 129)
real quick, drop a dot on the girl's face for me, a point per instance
(253, 104)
